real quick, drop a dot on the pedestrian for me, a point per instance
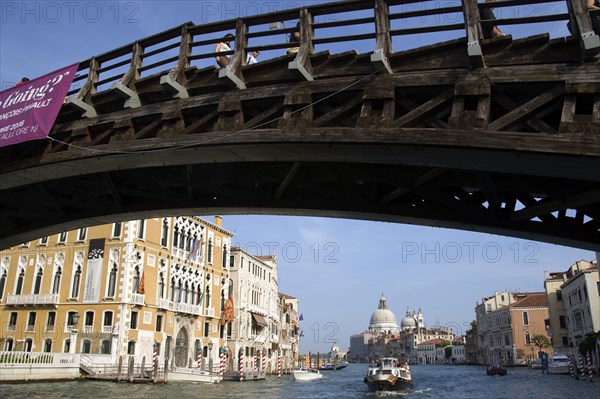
(251, 59)
(222, 46)
(594, 7)
(23, 81)
(489, 31)
(294, 41)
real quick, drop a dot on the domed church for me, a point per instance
(383, 320)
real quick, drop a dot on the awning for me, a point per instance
(260, 320)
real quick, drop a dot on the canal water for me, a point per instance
(432, 381)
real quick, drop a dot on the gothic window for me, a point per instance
(172, 288)
(179, 292)
(19, 287)
(224, 256)
(3, 275)
(175, 236)
(56, 282)
(210, 251)
(38, 282)
(76, 281)
(112, 281)
(161, 286)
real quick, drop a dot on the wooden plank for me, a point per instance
(581, 26)
(346, 22)
(427, 12)
(526, 110)
(423, 110)
(263, 115)
(338, 111)
(200, 122)
(148, 129)
(534, 123)
(474, 33)
(427, 29)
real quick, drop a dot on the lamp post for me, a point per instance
(210, 359)
(73, 344)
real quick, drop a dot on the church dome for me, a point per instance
(383, 319)
(408, 321)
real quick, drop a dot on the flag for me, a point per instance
(228, 312)
(141, 288)
(301, 317)
(301, 334)
(194, 251)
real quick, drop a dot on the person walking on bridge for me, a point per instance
(489, 31)
(223, 60)
(594, 7)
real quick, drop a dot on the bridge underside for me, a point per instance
(510, 193)
(511, 149)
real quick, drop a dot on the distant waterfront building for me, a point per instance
(582, 307)
(506, 325)
(359, 346)
(288, 331)
(119, 289)
(557, 320)
(254, 292)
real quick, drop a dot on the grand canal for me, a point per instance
(430, 382)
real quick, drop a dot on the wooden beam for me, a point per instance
(474, 34)
(233, 71)
(581, 26)
(338, 111)
(383, 41)
(534, 123)
(546, 207)
(200, 122)
(302, 63)
(288, 179)
(418, 181)
(263, 115)
(423, 110)
(525, 111)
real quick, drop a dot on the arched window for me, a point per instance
(224, 256)
(207, 293)
(19, 287)
(105, 347)
(76, 281)
(48, 345)
(112, 281)
(198, 295)
(210, 251)
(86, 346)
(136, 280)
(38, 282)
(193, 295)
(175, 236)
(525, 318)
(9, 345)
(28, 346)
(67, 346)
(527, 338)
(161, 286)
(179, 292)
(56, 282)
(184, 295)
(222, 300)
(3, 275)
(173, 289)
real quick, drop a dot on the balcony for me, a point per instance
(179, 307)
(30, 328)
(210, 312)
(107, 329)
(49, 299)
(50, 328)
(69, 328)
(11, 327)
(137, 299)
(87, 329)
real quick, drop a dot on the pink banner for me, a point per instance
(28, 111)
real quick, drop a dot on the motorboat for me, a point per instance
(388, 374)
(186, 374)
(334, 366)
(496, 369)
(558, 364)
(306, 374)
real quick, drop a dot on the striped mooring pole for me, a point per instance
(200, 358)
(278, 366)
(222, 365)
(264, 361)
(582, 366)
(154, 355)
(241, 365)
(571, 367)
(589, 365)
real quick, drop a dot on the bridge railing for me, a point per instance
(369, 26)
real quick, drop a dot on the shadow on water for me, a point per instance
(454, 382)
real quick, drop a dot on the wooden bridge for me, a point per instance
(496, 135)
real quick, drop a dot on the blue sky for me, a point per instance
(337, 268)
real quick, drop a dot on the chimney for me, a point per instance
(219, 220)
